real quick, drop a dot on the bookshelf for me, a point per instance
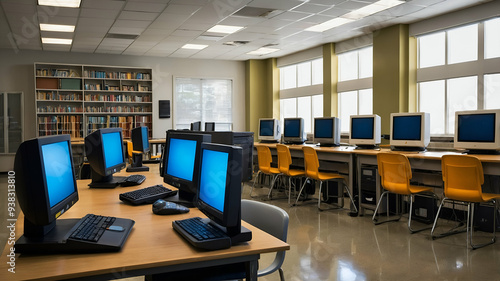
(79, 99)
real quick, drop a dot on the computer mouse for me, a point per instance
(162, 207)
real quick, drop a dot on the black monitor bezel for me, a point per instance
(231, 217)
(136, 135)
(94, 151)
(31, 182)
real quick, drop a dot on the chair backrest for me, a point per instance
(463, 177)
(284, 158)
(130, 148)
(311, 162)
(264, 157)
(270, 219)
(395, 172)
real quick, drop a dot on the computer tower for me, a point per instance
(371, 190)
(244, 140)
(424, 209)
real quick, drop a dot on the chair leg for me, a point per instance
(273, 181)
(253, 185)
(350, 196)
(471, 227)
(448, 233)
(300, 191)
(282, 275)
(375, 219)
(412, 198)
(289, 189)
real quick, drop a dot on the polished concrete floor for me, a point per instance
(331, 245)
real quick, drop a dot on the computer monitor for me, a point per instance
(219, 196)
(269, 130)
(365, 131)
(105, 153)
(209, 126)
(410, 131)
(45, 182)
(195, 126)
(182, 163)
(327, 131)
(140, 143)
(478, 131)
(293, 131)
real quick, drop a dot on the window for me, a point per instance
(301, 87)
(455, 72)
(205, 100)
(355, 85)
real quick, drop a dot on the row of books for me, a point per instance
(56, 72)
(55, 96)
(118, 109)
(57, 125)
(116, 75)
(125, 88)
(120, 98)
(124, 122)
(59, 109)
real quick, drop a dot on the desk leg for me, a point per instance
(251, 270)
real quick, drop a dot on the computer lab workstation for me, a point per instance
(476, 134)
(110, 226)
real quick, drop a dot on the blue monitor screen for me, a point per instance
(266, 128)
(362, 128)
(113, 149)
(213, 173)
(145, 141)
(181, 158)
(406, 127)
(323, 128)
(476, 128)
(58, 171)
(292, 128)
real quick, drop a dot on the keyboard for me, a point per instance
(92, 227)
(147, 195)
(133, 180)
(201, 234)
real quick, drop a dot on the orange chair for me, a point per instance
(131, 152)
(284, 162)
(395, 174)
(463, 177)
(265, 159)
(311, 163)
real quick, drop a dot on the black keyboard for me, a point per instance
(147, 195)
(133, 180)
(92, 227)
(201, 234)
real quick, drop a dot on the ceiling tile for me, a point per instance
(241, 21)
(126, 30)
(283, 5)
(52, 34)
(292, 16)
(130, 15)
(58, 20)
(98, 13)
(144, 6)
(132, 23)
(351, 5)
(311, 8)
(185, 10)
(335, 12)
(55, 47)
(100, 4)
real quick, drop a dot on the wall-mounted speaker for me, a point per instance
(164, 108)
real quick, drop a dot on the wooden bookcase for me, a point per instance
(78, 99)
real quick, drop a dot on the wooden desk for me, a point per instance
(425, 162)
(152, 247)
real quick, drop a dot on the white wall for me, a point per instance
(16, 74)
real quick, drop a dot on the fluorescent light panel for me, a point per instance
(57, 27)
(60, 3)
(262, 51)
(59, 41)
(356, 15)
(226, 29)
(194, 46)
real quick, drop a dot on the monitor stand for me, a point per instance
(269, 141)
(99, 181)
(238, 234)
(328, 144)
(182, 198)
(136, 165)
(367, 146)
(482, 151)
(408, 148)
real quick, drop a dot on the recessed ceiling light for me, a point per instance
(57, 27)
(194, 46)
(60, 3)
(262, 51)
(60, 41)
(328, 24)
(226, 29)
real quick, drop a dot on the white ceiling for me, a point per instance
(161, 27)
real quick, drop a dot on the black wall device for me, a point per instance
(164, 108)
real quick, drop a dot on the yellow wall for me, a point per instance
(391, 86)
(330, 78)
(261, 92)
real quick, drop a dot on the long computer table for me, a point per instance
(153, 246)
